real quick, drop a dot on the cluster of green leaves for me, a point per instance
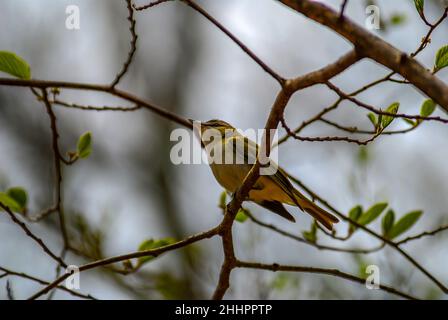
(441, 60)
(15, 199)
(242, 214)
(14, 65)
(381, 122)
(390, 228)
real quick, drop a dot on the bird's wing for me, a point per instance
(278, 208)
(246, 150)
(241, 143)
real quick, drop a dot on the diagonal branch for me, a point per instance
(100, 88)
(133, 48)
(32, 235)
(243, 47)
(332, 272)
(8, 272)
(144, 253)
(372, 233)
(375, 48)
(57, 159)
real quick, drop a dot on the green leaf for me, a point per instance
(441, 58)
(355, 213)
(397, 19)
(371, 214)
(419, 5)
(372, 119)
(393, 108)
(85, 145)
(409, 121)
(241, 216)
(14, 65)
(427, 108)
(9, 202)
(18, 195)
(153, 244)
(405, 223)
(223, 200)
(311, 236)
(388, 222)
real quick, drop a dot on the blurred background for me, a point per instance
(129, 191)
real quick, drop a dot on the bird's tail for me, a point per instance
(322, 216)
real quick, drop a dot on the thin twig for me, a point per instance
(94, 108)
(249, 52)
(423, 234)
(344, 95)
(372, 233)
(8, 272)
(313, 244)
(133, 48)
(144, 253)
(57, 159)
(28, 232)
(329, 138)
(332, 272)
(150, 5)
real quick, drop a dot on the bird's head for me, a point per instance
(216, 126)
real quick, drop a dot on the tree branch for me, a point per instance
(375, 48)
(32, 236)
(332, 272)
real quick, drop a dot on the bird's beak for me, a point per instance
(191, 120)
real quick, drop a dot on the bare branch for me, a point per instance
(423, 234)
(32, 236)
(150, 5)
(328, 139)
(8, 272)
(371, 46)
(144, 253)
(243, 47)
(372, 233)
(100, 88)
(57, 158)
(316, 245)
(133, 48)
(94, 108)
(343, 95)
(332, 272)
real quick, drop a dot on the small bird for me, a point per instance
(269, 191)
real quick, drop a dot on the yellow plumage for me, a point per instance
(269, 191)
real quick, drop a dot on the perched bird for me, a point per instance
(269, 191)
